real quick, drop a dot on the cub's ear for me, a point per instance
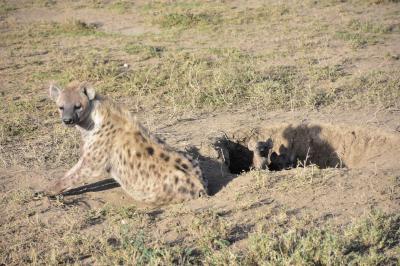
(88, 90)
(252, 145)
(54, 91)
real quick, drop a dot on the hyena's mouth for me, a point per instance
(70, 122)
(69, 125)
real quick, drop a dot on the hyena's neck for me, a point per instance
(87, 124)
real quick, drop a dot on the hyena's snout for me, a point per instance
(70, 119)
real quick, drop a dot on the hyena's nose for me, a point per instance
(68, 121)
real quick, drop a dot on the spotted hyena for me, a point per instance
(261, 153)
(115, 144)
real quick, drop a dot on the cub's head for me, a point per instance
(260, 147)
(74, 101)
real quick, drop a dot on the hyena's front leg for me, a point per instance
(86, 168)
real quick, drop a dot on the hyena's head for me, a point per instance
(260, 147)
(74, 101)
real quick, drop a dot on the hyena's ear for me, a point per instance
(88, 90)
(252, 145)
(54, 91)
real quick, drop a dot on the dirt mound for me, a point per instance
(304, 144)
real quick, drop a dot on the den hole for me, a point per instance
(303, 146)
(239, 158)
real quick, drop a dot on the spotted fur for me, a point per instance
(115, 144)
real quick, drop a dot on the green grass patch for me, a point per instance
(188, 19)
(31, 133)
(360, 33)
(260, 14)
(368, 242)
(73, 27)
(45, 3)
(329, 72)
(184, 14)
(20, 122)
(38, 32)
(380, 88)
(156, 6)
(6, 7)
(203, 79)
(187, 16)
(355, 39)
(120, 6)
(145, 51)
(368, 26)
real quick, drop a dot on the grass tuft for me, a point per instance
(187, 19)
(120, 6)
(145, 51)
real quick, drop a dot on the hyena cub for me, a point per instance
(261, 153)
(116, 145)
(265, 158)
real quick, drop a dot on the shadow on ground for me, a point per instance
(93, 187)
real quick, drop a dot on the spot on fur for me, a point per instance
(164, 156)
(182, 190)
(150, 150)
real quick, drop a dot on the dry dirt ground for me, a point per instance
(321, 79)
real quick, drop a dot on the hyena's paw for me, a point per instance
(55, 188)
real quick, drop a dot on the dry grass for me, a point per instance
(128, 236)
(193, 57)
(368, 242)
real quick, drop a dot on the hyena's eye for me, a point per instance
(61, 108)
(78, 107)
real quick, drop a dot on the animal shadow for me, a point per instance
(215, 172)
(93, 187)
(309, 147)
